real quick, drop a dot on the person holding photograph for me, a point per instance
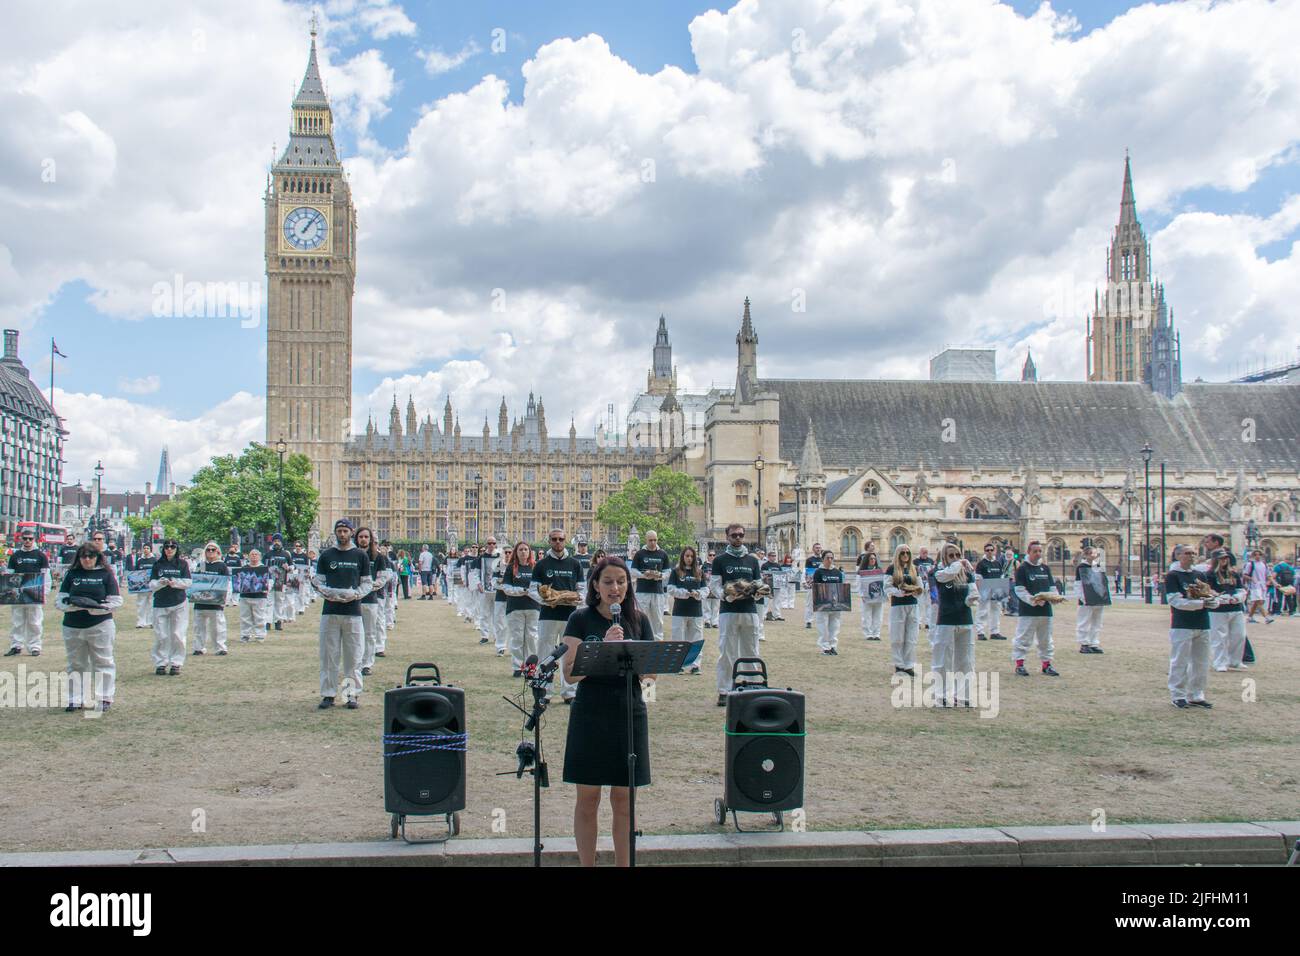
(210, 619)
(952, 644)
(686, 587)
(873, 612)
(903, 585)
(736, 581)
(777, 570)
(88, 596)
(828, 621)
(561, 575)
(990, 611)
(253, 604)
(1227, 617)
(1087, 626)
(521, 610)
(32, 564)
(168, 580)
(596, 748)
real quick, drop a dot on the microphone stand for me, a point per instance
(538, 770)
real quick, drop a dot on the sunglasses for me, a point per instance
(558, 539)
(738, 534)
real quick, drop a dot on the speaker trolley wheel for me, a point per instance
(397, 825)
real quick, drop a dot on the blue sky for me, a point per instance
(119, 350)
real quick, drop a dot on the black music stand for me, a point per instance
(626, 659)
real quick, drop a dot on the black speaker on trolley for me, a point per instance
(424, 746)
(765, 749)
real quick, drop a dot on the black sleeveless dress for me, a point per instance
(595, 752)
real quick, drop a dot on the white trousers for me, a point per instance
(252, 619)
(372, 627)
(989, 618)
(297, 599)
(952, 661)
(737, 638)
(807, 605)
(283, 611)
(342, 640)
(499, 633)
(924, 603)
(787, 597)
(522, 628)
(828, 629)
(1031, 631)
(904, 623)
(652, 606)
(1227, 638)
(1087, 625)
(144, 609)
(390, 607)
(872, 617)
(549, 634)
(90, 651)
(483, 612)
(209, 624)
(231, 598)
(1189, 663)
(169, 625)
(688, 629)
(29, 626)
(711, 608)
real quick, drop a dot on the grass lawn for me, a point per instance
(239, 737)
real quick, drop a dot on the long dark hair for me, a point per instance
(513, 564)
(695, 562)
(630, 614)
(372, 549)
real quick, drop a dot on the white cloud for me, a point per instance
(437, 62)
(139, 386)
(129, 437)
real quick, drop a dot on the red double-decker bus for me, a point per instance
(49, 537)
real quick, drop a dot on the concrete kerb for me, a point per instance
(1119, 845)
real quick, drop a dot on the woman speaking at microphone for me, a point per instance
(595, 753)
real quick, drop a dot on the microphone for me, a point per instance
(616, 611)
(530, 667)
(548, 665)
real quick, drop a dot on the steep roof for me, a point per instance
(1053, 424)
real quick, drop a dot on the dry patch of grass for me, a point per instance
(239, 738)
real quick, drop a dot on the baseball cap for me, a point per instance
(345, 523)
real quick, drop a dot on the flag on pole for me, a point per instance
(54, 347)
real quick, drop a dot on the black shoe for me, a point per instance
(278, 627)
(981, 637)
(365, 672)
(997, 637)
(827, 652)
(568, 701)
(1200, 703)
(268, 628)
(1098, 650)
(1050, 671)
(517, 673)
(1180, 704)
(103, 707)
(1020, 669)
(221, 653)
(807, 626)
(36, 653)
(325, 703)
(352, 704)
(722, 700)
(1085, 649)
(71, 707)
(483, 640)
(380, 654)
(197, 654)
(160, 670)
(909, 672)
(13, 652)
(174, 672)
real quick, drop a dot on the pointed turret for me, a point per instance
(311, 140)
(573, 436)
(412, 421)
(446, 417)
(394, 420)
(502, 419)
(746, 359)
(810, 463)
(1127, 204)
(456, 435)
(1028, 373)
(487, 433)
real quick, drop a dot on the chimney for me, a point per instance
(11, 343)
(147, 489)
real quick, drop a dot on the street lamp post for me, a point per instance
(281, 448)
(798, 500)
(1128, 544)
(1164, 561)
(99, 489)
(1146, 520)
(758, 466)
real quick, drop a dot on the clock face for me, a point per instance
(305, 228)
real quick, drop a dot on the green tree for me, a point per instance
(659, 502)
(242, 492)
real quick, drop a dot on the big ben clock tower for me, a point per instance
(311, 229)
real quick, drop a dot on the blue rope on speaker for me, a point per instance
(424, 743)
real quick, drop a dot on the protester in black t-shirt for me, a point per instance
(31, 564)
(342, 577)
(952, 647)
(1036, 589)
(88, 596)
(828, 621)
(521, 610)
(989, 567)
(686, 586)
(1189, 631)
(735, 580)
(210, 619)
(168, 580)
(650, 566)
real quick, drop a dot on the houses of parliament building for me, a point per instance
(961, 457)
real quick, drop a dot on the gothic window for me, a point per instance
(849, 542)
(354, 498)
(1269, 548)
(557, 474)
(440, 499)
(412, 498)
(585, 475)
(383, 496)
(613, 478)
(412, 472)
(530, 500)
(385, 472)
(557, 500)
(1276, 514)
(584, 500)
(974, 508)
(871, 489)
(1178, 513)
(897, 538)
(1056, 550)
(499, 499)
(442, 472)
(742, 493)
(1077, 512)
(412, 528)
(499, 474)
(471, 498)
(530, 474)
